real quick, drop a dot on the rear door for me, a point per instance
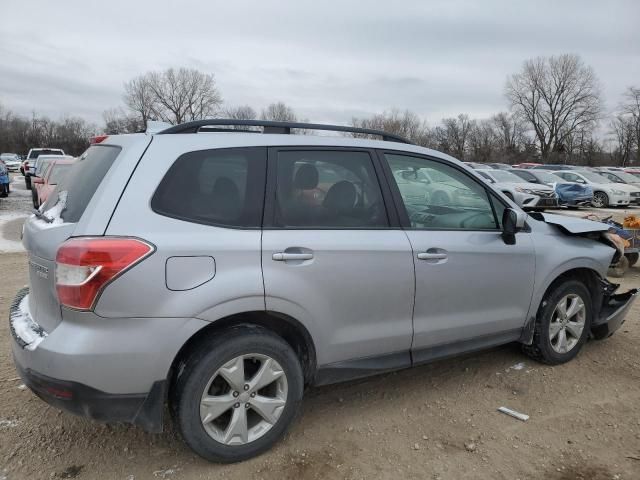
(334, 258)
(472, 289)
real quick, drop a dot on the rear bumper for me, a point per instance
(111, 370)
(144, 410)
(613, 314)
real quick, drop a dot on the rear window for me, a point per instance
(45, 151)
(215, 187)
(59, 173)
(82, 180)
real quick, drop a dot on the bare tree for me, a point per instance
(483, 141)
(631, 108)
(556, 96)
(243, 112)
(453, 135)
(117, 121)
(510, 133)
(279, 112)
(140, 98)
(182, 95)
(623, 130)
(405, 124)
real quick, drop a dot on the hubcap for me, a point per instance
(244, 399)
(567, 323)
(598, 200)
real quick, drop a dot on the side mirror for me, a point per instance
(37, 180)
(512, 222)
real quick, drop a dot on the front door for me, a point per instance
(472, 289)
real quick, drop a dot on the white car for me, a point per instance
(524, 194)
(605, 192)
(11, 160)
(622, 177)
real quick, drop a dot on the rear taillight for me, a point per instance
(84, 266)
(98, 139)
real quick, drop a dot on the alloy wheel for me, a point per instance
(567, 323)
(244, 399)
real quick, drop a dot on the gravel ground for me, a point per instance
(433, 422)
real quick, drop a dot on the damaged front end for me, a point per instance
(613, 310)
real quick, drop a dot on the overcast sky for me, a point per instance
(330, 60)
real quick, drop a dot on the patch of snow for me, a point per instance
(165, 473)
(518, 366)
(22, 387)
(55, 212)
(24, 326)
(7, 245)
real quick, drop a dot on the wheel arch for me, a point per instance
(288, 328)
(588, 276)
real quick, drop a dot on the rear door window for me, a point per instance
(328, 189)
(223, 187)
(82, 180)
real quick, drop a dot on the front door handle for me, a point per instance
(283, 256)
(431, 256)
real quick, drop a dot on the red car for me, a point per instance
(53, 174)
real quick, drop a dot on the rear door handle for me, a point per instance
(432, 256)
(283, 257)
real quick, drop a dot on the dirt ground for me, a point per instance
(433, 422)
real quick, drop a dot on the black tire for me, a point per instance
(541, 348)
(633, 258)
(202, 364)
(27, 182)
(600, 200)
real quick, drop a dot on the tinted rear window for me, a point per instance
(215, 187)
(37, 153)
(82, 180)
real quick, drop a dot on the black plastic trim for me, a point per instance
(368, 366)
(143, 409)
(277, 127)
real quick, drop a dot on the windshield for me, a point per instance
(58, 173)
(626, 177)
(594, 177)
(546, 177)
(508, 177)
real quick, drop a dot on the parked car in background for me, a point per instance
(227, 296)
(526, 165)
(53, 173)
(524, 194)
(605, 192)
(11, 161)
(27, 167)
(569, 194)
(476, 165)
(633, 171)
(620, 176)
(39, 170)
(4, 180)
(498, 166)
(554, 167)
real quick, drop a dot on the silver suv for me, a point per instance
(223, 272)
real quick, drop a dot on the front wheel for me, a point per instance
(562, 324)
(236, 395)
(600, 200)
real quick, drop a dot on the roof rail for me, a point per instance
(269, 126)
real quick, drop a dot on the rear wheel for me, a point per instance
(236, 395)
(562, 324)
(34, 198)
(27, 182)
(600, 200)
(632, 257)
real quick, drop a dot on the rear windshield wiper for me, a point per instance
(42, 216)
